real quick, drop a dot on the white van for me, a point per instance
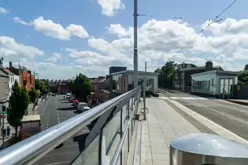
(68, 95)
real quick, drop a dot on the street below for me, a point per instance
(56, 110)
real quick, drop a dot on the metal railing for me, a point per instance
(123, 107)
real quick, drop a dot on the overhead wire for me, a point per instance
(215, 19)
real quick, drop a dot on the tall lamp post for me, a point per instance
(135, 37)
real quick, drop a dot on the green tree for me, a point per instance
(81, 87)
(243, 78)
(33, 95)
(246, 67)
(42, 86)
(165, 75)
(18, 104)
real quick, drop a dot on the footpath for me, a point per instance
(165, 123)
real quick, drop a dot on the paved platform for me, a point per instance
(164, 124)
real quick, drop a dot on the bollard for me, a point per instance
(207, 149)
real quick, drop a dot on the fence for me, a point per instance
(108, 141)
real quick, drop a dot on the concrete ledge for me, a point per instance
(210, 124)
(238, 102)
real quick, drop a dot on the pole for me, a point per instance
(145, 66)
(144, 93)
(183, 76)
(2, 129)
(135, 55)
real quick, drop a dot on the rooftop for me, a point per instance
(3, 73)
(139, 72)
(216, 72)
(9, 72)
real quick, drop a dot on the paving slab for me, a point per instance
(162, 125)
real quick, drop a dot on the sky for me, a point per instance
(58, 39)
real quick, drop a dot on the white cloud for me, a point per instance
(55, 30)
(10, 49)
(110, 7)
(225, 43)
(50, 70)
(229, 26)
(91, 58)
(160, 41)
(4, 11)
(49, 28)
(19, 20)
(55, 58)
(119, 30)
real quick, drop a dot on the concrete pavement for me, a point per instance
(167, 119)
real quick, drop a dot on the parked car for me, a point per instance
(82, 106)
(68, 95)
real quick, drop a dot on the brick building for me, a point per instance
(26, 79)
(100, 88)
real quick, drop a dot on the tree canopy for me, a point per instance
(81, 87)
(18, 104)
(243, 78)
(165, 74)
(42, 86)
(33, 94)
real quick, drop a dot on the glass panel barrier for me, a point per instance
(111, 132)
(90, 156)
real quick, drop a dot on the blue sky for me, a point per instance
(90, 15)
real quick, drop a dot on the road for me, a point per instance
(54, 111)
(231, 116)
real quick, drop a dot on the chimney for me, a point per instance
(10, 64)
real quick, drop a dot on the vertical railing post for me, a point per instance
(121, 132)
(132, 109)
(128, 116)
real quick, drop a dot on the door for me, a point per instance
(225, 88)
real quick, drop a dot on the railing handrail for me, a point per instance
(32, 149)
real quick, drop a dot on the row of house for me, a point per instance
(119, 81)
(101, 88)
(10, 74)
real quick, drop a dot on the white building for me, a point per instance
(216, 83)
(123, 81)
(12, 79)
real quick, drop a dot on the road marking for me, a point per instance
(58, 116)
(57, 110)
(209, 123)
(57, 163)
(164, 98)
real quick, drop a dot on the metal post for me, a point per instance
(128, 135)
(135, 55)
(121, 134)
(183, 76)
(145, 66)
(2, 129)
(144, 97)
(144, 93)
